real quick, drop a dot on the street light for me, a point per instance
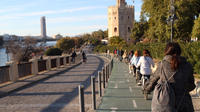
(172, 17)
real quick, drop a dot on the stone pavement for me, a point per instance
(56, 93)
(123, 95)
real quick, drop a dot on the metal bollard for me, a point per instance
(106, 73)
(104, 85)
(93, 93)
(81, 98)
(99, 82)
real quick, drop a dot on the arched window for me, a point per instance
(129, 30)
(115, 29)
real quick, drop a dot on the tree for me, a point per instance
(117, 42)
(21, 51)
(65, 44)
(158, 11)
(196, 29)
(138, 31)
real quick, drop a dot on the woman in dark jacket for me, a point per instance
(183, 80)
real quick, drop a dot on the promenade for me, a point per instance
(56, 93)
(57, 90)
(123, 95)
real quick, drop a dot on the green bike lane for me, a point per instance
(122, 93)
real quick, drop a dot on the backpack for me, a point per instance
(163, 96)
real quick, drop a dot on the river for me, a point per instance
(4, 57)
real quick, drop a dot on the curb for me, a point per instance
(4, 94)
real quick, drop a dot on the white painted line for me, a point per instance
(113, 109)
(131, 90)
(134, 104)
(116, 86)
(128, 80)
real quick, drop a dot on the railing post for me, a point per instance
(57, 61)
(93, 93)
(99, 83)
(81, 98)
(13, 71)
(48, 63)
(34, 66)
(64, 61)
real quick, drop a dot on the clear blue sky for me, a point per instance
(66, 17)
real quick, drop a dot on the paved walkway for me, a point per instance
(122, 94)
(58, 93)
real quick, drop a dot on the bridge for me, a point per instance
(58, 89)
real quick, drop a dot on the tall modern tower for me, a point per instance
(120, 20)
(43, 28)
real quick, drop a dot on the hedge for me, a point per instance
(53, 52)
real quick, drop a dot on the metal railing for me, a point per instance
(42, 66)
(4, 74)
(24, 69)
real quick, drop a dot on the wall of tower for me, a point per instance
(120, 18)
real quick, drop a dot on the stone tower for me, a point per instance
(120, 20)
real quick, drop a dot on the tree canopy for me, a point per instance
(196, 29)
(158, 11)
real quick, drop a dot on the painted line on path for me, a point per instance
(113, 109)
(116, 86)
(131, 90)
(134, 104)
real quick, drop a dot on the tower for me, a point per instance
(43, 28)
(121, 3)
(120, 20)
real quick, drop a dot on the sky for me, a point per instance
(65, 17)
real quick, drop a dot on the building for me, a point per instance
(120, 20)
(43, 27)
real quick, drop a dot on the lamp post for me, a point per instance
(172, 17)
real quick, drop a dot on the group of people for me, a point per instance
(73, 56)
(174, 70)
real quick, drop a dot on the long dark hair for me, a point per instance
(146, 53)
(174, 50)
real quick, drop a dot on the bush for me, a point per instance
(53, 52)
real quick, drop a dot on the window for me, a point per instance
(129, 30)
(115, 29)
(115, 18)
(128, 17)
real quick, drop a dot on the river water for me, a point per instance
(5, 58)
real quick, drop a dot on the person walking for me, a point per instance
(179, 74)
(84, 57)
(134, 61)
(73, 56)
(145, 62)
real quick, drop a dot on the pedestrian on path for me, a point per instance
(145, 62)
(179, 74)
(84, 57)
(134, 61)
(73, 57)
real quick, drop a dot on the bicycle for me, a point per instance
(144, 80)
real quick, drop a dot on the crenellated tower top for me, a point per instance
(121, 3)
